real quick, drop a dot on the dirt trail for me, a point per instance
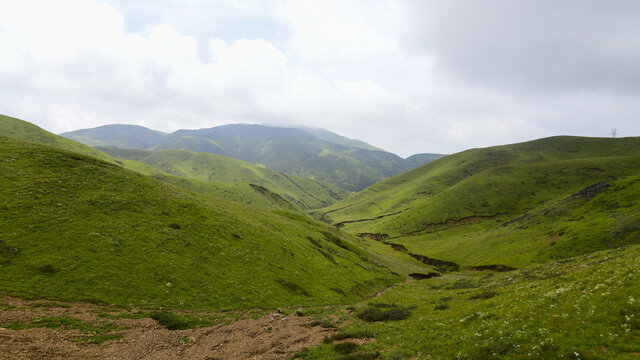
(272, 336)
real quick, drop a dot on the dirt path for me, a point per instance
(271, 336)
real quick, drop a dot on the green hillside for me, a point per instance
(312, 194)
(311, 153)
(118, 135)
(22, 130)
(580, 308)
(73, 227)
(334, 138)
(303, 193)
(454, 207)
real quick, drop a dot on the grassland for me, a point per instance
(310, 153)
(23, 130)
(74, 227)
(300, 192)
(586, 307)
(234, 177)
(454, 208)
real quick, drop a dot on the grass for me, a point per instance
(301, 193)
(454, 207)
(587, 305)
(91, 231)
(22, 130)
(289, 150)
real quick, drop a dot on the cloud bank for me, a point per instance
(408, 76)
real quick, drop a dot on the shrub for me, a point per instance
(345, 347)
(394, 314)
(483, 295)
(291, 286)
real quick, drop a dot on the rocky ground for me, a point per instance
(267, 335)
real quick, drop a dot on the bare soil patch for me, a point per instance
(270, 336)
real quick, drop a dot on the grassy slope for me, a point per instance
(503, 181)
(122, 136)
(580, 308)
(305, 193)
(22, 130)
(243, 193)
(315, 154)
(566, 227)
(76, 228)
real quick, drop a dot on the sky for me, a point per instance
(407, 76)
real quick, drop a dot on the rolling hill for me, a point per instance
(315, 154)
(23, 130)
(238, 181)
(73, 227)
(303, 193)
(492, 206)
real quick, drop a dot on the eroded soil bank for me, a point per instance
(269, 335)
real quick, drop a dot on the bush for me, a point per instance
(345, 347)
(47, 269)
(483, 295)
(394, 314)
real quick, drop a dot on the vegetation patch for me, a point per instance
(346, 334)
(483, 295)
(291, 286)
(386, 314)
(96, 333)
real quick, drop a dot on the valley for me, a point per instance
(249, 242)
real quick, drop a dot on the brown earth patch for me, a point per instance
(270, 336)
(552, 239)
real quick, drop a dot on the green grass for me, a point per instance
(488, 187)
(563, 228)
(204, 167)
(289, 150)
(22, 130)
(586, 305)
(87, 230)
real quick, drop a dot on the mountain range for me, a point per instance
(311, 153)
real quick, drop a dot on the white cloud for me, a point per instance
(409, 76)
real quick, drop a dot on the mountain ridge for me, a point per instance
(290, 150)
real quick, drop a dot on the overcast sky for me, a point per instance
(407, 76)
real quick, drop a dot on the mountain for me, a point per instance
(78, 228)
(303, 193)
(287, 150)
(122, 136)
(506, 204)
(334, 138)
(234, 180)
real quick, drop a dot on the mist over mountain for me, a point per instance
(313, 153)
